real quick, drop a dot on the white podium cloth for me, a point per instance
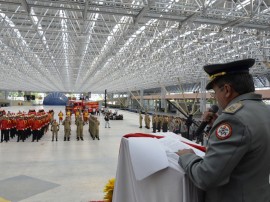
(167, 185)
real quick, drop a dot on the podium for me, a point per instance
(170, 184)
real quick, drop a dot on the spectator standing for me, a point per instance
(107, 121)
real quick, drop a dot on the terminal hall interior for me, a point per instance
(136, 54)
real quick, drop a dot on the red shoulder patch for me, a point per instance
(224, 131)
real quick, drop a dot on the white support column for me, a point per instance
(129, 104)
(203, 95)
(6, 95)
(163, 99)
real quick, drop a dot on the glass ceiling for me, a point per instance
(125, 45)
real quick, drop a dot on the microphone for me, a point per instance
(202, 126)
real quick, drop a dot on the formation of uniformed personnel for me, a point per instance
(94, 127)
(79, 123)
(5, 128)
(171, 124)
(177, 126)
(36, 127)
(67, 128)
(60, 116)
(183, 129)
(236, 165)
(85, 116)
(55, 129)
(68, 113)
(147, 121)
(13, 126)
(159, 123)
(165, 124)
(77, 114)
(154, 122)
(29, 123)
(21, 127)
(21, 124)
(140, 119)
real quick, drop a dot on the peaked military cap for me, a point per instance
(218, 70)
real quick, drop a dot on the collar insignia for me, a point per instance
(233, 108)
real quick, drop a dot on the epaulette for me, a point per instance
(233, 108)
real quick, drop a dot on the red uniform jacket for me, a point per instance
(6, 124)
(20, 124)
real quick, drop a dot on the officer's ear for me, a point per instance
(229, 91)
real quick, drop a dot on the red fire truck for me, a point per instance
(73, 105)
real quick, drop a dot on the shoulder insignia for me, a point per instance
(233, 108)
(224, 131)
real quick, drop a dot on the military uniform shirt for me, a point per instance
(236, 166)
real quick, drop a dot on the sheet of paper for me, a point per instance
(147, 156)
(173, 145)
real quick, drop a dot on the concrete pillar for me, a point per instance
(203, 96)
(163, 99)
(6, 95)
(129, 100)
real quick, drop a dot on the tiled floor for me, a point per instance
(74, 171)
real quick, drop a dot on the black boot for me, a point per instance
(81, 138)
(98, 138)
(65, 139)
(78, 139)
(68, 138)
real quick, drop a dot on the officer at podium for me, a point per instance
(236, 165)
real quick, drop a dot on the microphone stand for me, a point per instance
(191, 120)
